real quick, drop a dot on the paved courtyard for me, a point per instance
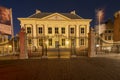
(82, 68)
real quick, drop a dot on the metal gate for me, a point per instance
(106, 48)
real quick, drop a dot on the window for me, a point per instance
(49, 30)
(28, 29)
(109, 37)
(82, 42)
(109, 31)
(63, 42)
(50, 42)
(72, 42)
(105, 37)
(29, 42)
(56, 31)
(40, 42)
(63, 30)
(106, 31)
(82, 30)
(40, 31)
(72, 30)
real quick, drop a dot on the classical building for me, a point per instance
(112, 29)
(55, 30)
(108, 33)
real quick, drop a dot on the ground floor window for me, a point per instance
(40, 42)
(63, 42)
(82, 41)
(29, 42)
(72, 42)
(50, 42)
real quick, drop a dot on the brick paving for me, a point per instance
(82, 68)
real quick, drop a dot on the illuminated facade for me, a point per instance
(56, 29)
(5, 47)
(107, 35)
(117, 26)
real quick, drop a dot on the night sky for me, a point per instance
(84, 8)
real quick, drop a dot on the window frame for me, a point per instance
(63, 30)
(49, 30)
(72, 30)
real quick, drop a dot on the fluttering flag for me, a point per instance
(99, 19)
(5, 21)
(100, 15)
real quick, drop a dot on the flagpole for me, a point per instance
(99, 29)
(12, 30)
(100, 16)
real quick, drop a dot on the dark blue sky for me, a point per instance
(84, 8)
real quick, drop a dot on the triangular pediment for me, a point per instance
(56, 16)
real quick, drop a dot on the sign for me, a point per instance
(5, 21)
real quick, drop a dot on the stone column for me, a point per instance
(23, 49)
(91, 44)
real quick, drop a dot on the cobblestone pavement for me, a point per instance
(82, 68)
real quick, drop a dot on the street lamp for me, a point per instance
(97, 46)
(73, 46)
(67, 42)
(45, 49)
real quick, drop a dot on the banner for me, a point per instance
(5, 21)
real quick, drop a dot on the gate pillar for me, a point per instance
(23, 49)
(91, 44)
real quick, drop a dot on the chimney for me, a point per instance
(38, 11)
(73, 12)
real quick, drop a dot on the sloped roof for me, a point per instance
(43, 14)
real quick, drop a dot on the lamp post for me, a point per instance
(73, 46)
(45, 49)
(97, 46)
(58, 49)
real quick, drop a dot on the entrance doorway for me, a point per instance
(56, 44)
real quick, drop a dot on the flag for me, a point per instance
(5, 21)
(100, 15)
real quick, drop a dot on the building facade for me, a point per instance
(117, 26)
(55, 30)
(5, 47)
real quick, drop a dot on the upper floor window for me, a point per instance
(82, 30)
(109, 37)
(109, 31)
(49, 30)
(63, 30)
(72, 30)
(56, 30)
(40, 30)
(29, 30)
(105, 37)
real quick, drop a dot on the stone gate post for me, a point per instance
(23, 49)
(91, 44)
